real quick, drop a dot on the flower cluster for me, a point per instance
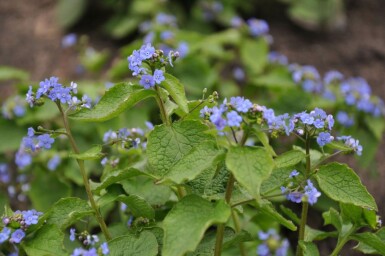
(142, 62)
(89, 241)
(255, 27)
(5, 176)
(56, 92)
(297, 192)
(15, 226)
(354, 91)
(227, 114)
(272, 244)
(13, 107)
(352, 143)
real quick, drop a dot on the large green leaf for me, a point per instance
(277, 178)
(47, 241)
(46, 189)
(168, 144)
(186, 223)
(115, 177)
(250, 166)
(176, 90)
(374, 241)
(8, 73)
(199, 159)
(130, 245)
(267, 207)
(138, 206)
(67, 211)
(118, 98)
(340, 183)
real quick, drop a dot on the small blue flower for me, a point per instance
(68, 40)
(333, 76)
(294, 173)
(147, 81)
(324, 138)
(105, 249)
(352, 143)
(166, 35)
(158, 76)
(241, 104)
(4, 234)
(344, 119)
(183, 49)
(22, 159)
(236, 22)
(233, 119)
(306, 118)
(4, 174)
(45, 141)
(31, 132)
(257, 27)
(17, 236)
(110, 135)
(311, 192)
(146, 51)
(295, 197)
(30, 97)
(54, 162)
(278, 58)
(72, 234)
(31, 217)
(86, 101)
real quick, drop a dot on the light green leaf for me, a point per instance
(188, 221)
(90, 154)
(332, 217)
(338, 145)
(277, 178)
(308, 248)
(264, 139)
(9, 73)
(358, 215)
(41, 190)
(376, 125)
(130, 245)
(166, 145)
(199, 159)
(176, 90)
(114, 177)
(312, 234)
(118, 98)
(10, 136)
(138, 206)
(373, 241)
(250, 166)
(289, 158)
(254, 54)
(277, 78)
(68, 12)
(67, 211)
(340, 183)
(47, 241)
(366, 248)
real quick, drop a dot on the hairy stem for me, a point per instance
(83, 172)
(305, 205)
(162, 108)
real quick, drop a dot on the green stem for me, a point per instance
(83, 172)
(342, 241)
(162, 108)
(305, 205)
(237, 226)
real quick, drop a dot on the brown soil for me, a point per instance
(31, 40)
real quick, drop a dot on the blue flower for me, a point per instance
(241, 104)
(17, 236)
(332, 77)
(233, 119)
(4, 173)
(22, 159)
(166, 35)
(306, 118)
(29, 143)
(183, 49)
(46, 85)
(109, 136)
(294, 173)
(295, 196)
(344, 119)
(278, 58)
(31, 217)
(258, 27)
(236, 22)
(324, 138)
(217, 119)
(53, 162)
(158, 76)
(4, 234)
(147, 81)
(311, 193)
(105, 249)
(30, 97)
(352, 143)
(72, 234)
(146, 51)
(45, 141)
(68, 40)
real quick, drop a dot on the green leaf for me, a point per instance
(309, 249)
(376, 125)
(199, 159)
(41, 190)
(138, 206)
(264, 139)
(176, 90)
(9, 73)
(277, 178)
(10, 136)
(332, 217)
(118, 98)
(254, 54)
(114, 177)
(91, 154)
(250, 166)
(277, 78)
(373, 241)
(312, 234)
(67, 211)
(289, 158)
(366, 248)
(188, 221)
(120, 27)
(268, 208)
(68, 12)
(358, 215)
(166, 145)
(46, 241)
(130, 245)
(341, 184)
(338, 145)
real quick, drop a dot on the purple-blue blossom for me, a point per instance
(158, 76)
(54, 162)
(311, 193)
(4, 234)
(45, 141)
(257, 27)
(31, 217)
(22, 159)
(324, 138)
(344, 119)
(68, 40)
(332, 77)
(4, 173)
(241, 104)
(267, 248)
(146, 52)
(293, 174)
(147, 81)
(277, 58)
(72, 234)
(352, 143)
(17, 236)
(233, 119)
(105, 249)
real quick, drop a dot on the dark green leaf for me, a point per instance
(267, 208)
(90, 154)
(138, 206)
(289, 158)
(367, 248)
(373, 241)
(176, 90)
(340, 183)
(309, 249)
(130, 245)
